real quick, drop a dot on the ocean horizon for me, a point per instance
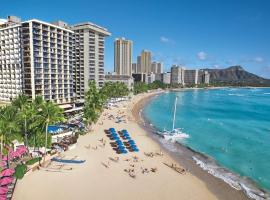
(229, 125)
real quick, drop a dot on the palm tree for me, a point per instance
(25, 113)
(50, 113)
(8, 125)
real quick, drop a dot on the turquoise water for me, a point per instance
(230, 125)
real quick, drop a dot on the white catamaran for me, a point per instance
(175, 133)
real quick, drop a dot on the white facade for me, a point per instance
(177, 75)
(123, 56)
(146, 61)
(157, 67)
(88, 56)
(11, 76)
(166, 79)
(47, 61)
(134, 68)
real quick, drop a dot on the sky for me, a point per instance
(192, 33)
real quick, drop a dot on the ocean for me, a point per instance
(231, 126)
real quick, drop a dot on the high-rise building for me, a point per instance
(159, 68)
(191, 76)
(203, 77)
(134, 68)
(139, 64)
(146, 61)
(166, 78)
(88, 56)
(177, 75)
(49, 60)
(123, 56)
(11, 78)
(156, 67)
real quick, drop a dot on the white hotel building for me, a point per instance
(11, 81)
(54, 61)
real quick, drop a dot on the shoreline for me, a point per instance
(93, 180)
(218, 187)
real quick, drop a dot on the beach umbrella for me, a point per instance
(131, 141)
(3, 164)
(21, 150)
(7, 172)
(6, 181)
(123, 151)
(5, 158)
(119, 142)
(14, 154)
(3, 197)
(3, 190)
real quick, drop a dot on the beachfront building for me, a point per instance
(139, 64)
(89, 50)
(123, 56)
(146, 61)
(177, 75)
(157, 67)
(11, 79)
(203, 77)
(134, 68)
(151, 78)
(127, 80)
(36, 59)
(166, 78)
(50, 60)
(191, 77)
(47, 61)
(140, 77)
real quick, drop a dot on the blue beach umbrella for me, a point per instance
(123, 151)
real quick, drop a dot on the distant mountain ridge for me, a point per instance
(236, 75)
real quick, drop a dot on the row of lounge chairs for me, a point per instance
(65, 143)
(121, 145)
(7, 183)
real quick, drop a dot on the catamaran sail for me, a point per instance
(175, 133)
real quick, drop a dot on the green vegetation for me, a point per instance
(140, 87)
(114, 90)
(96, 98)
(26, 120)
(33, 161)
(20, 170)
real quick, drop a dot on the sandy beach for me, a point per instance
(104, 176)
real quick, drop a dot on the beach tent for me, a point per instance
(7, 172)
(3, 190)
(6, 181)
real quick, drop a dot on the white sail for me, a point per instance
(175, 133)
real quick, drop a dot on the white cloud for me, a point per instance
(258, 59)
(164, 39)
(201, 55)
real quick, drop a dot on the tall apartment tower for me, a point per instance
(146, 61)
(134, 68)
(88, 56)
(123, 56)
(177, 75)
(11, 79)
(157, 67)
(139, 64)
(47, 61)
(191, 76)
